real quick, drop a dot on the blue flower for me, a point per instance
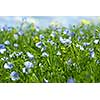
(53, 34)
(51, 42)
(72, 34)
(9, 29)
(66, 32)
(65, 41)
(37, 28)
(81, 32)
(8, 65)
(41, 37)
(92, 54)
(21, 33)
(30, 55)
(39, 44)
(14, 76)
(79, 38)
(7, 42)
(4, 28)
(71, 80)
(28, 64)
(86, 44)
(2, 48)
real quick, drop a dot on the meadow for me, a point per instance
(51, 55)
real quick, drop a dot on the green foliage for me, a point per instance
(54, 68)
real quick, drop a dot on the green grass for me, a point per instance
(53, 68)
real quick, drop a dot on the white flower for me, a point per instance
(68, 41)
(20, 53)
(45, 80)
(4, 58)
(96, 41)
(26, 70)
(53, 34)
(16, 45)
(16, 36)
(69, 62)
(2, 51)
(58, 53)
(81, 48)
(8, 65)
(30, 55)
(70, 37)
(44, 54)
(52, 43)
(62, 40)
(77, 45)
(44, 48)
(40, 64)
(7, 42)
(12, 55)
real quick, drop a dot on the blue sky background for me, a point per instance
(44, 21)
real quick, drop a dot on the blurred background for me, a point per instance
(44, 21)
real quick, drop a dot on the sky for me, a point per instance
(44, 21)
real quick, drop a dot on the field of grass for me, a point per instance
(50, 55)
